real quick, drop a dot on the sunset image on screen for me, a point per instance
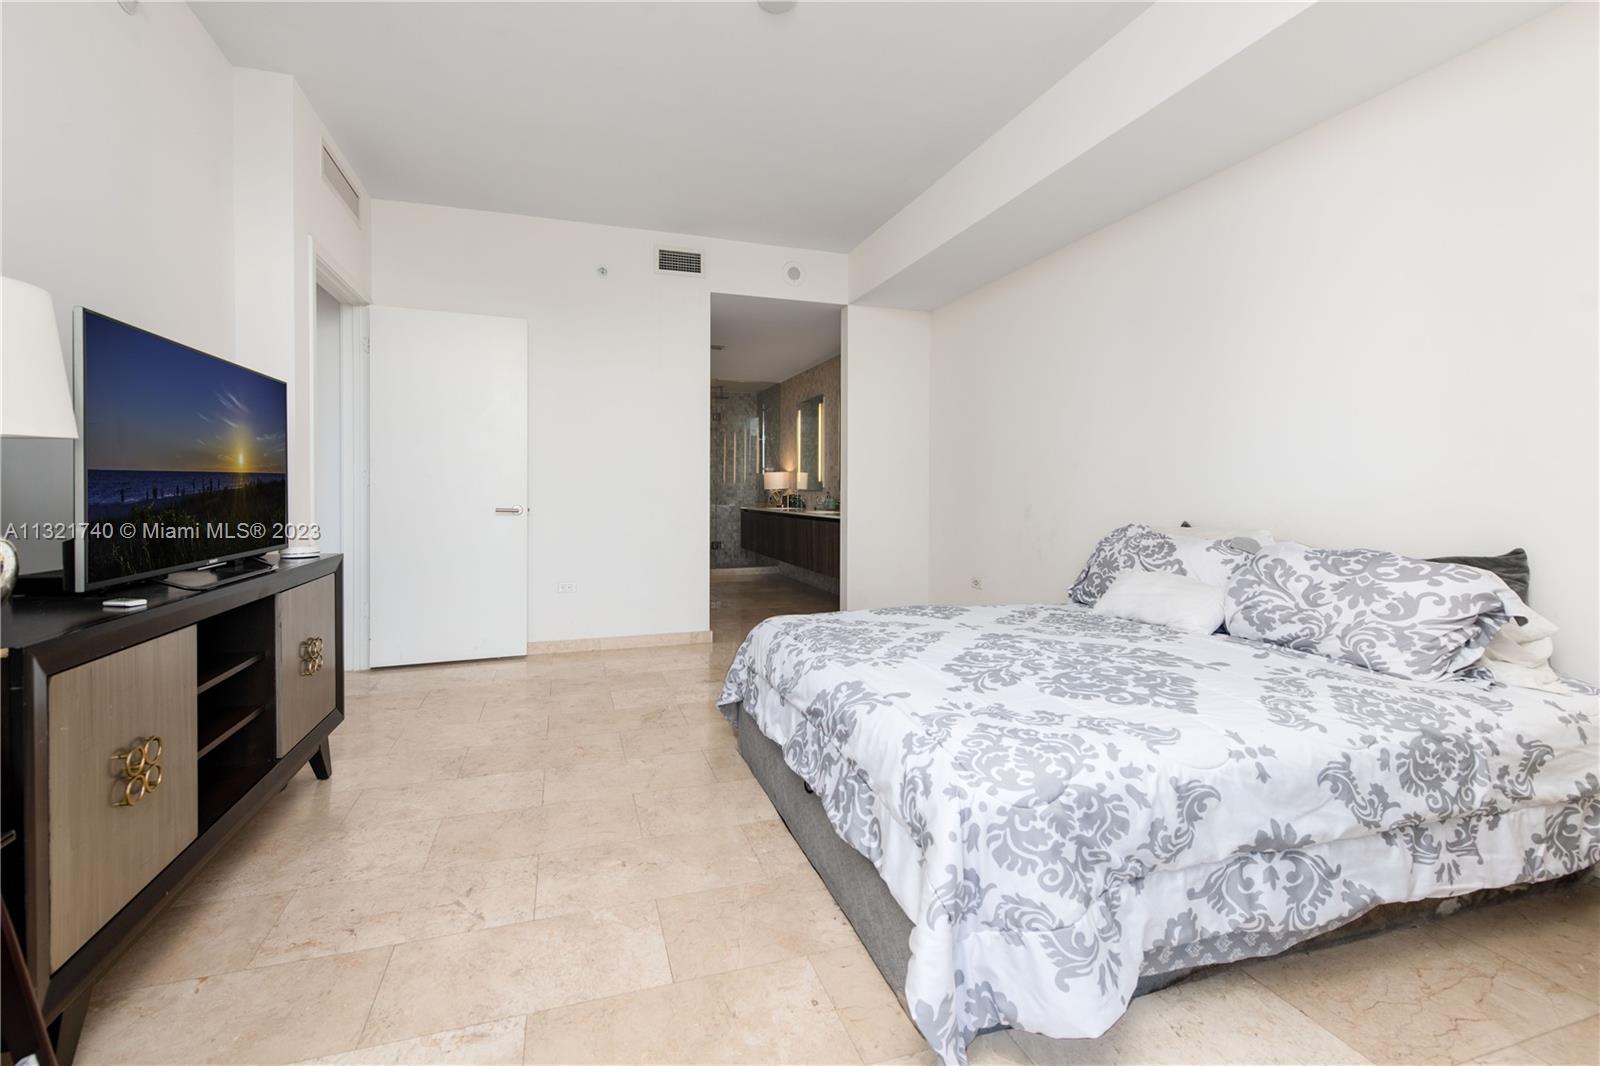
(175, 438)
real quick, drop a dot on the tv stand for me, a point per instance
(226, 573)
(230, 693)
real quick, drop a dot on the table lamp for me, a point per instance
(35, 396)
(776, 482)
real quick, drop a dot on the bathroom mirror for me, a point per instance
(810, 434)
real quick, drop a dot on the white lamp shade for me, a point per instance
(35, 398)
(775, 480)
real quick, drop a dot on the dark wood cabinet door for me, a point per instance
(755, 533)
(770, 536)
(798, 543)
(827, 552)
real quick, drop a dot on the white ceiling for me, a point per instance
(806, 129)
(770, 340)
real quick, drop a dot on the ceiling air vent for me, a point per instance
(340, 183)
(677, 261)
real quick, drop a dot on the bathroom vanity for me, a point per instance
(807, 539)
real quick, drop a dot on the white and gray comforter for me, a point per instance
(1062, 800)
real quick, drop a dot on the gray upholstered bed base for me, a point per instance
(878, 920)
(885, 931)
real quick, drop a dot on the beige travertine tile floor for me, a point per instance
(563, 860)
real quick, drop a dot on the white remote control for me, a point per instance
(125, 604)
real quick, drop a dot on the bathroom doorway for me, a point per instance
(776, 448)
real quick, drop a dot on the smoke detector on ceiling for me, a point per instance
(793, 274)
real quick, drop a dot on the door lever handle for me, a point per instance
(510, 510)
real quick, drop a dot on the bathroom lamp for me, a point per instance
(776, 482)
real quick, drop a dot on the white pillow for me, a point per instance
(1543, 678)
(1519, 654)
(1213, 559)
(1527, 627)
(1163, 599)
(1507, 650)
(1392, 614)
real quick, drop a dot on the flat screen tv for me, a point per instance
(182, 461)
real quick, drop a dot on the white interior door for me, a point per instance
(448, 461)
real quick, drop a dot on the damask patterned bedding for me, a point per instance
(1062, 800)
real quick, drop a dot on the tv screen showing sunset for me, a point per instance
(185, 455)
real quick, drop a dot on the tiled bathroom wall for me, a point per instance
(736, 457)
(821, 380)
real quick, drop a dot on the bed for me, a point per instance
(1066, 807)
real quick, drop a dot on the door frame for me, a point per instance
(354, 351)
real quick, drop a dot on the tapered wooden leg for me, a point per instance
(69, 1027)
(322, 761)
(21, 1023)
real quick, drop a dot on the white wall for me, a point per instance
(326, 413)
(341, 238)
(328, 238)
(1381, 332)
(148, 179)
(263, 224)
(619, 409)
(287, 217)
(884, 558)
(117, 193)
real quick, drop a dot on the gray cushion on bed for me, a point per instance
(1512, 568)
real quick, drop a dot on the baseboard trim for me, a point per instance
(642, 640)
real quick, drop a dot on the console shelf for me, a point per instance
(217, 726)
(217, 671)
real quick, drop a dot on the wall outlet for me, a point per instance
(977, 583)
(566, 588)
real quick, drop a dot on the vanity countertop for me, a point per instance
(797, 512)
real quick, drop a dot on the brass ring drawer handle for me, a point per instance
(141, 770)
(310, 656)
